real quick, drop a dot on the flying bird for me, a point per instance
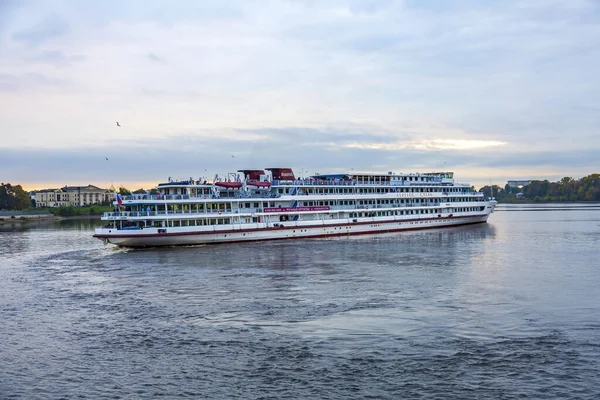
(106, 158)
(232, 156)
(118, 124)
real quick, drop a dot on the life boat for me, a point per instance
(259, 184)
(229, 185)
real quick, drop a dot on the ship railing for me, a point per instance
(166, 196)
(239, 195)
(345, 182)
(154, 213)
(273, 194)
(253, 210)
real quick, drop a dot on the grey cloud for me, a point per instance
(190, 94)
(14, 83)
(8, 8)
(101, 13)
(323, 136)
(154, 58)
(56, 57)
(586, 158)
(47, 29)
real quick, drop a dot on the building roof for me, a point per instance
(88, 187)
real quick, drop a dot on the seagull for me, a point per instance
(106, 158)
(232, 156)
(118, 124)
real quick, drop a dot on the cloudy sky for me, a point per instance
(489, 89)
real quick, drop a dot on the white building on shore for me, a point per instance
(77, 196)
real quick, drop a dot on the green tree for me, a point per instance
(13, 197)
(566, 180)
(4, 196)
(123, 191)
(22, 199)
(139, 191)
(566, 189)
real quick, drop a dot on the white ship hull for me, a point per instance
(181, 236)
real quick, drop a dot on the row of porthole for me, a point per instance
(243, 234)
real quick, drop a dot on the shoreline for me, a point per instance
(28, 218)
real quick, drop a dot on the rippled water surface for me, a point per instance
(505, 310)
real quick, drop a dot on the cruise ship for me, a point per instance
(270, 204)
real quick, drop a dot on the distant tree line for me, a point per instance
(567, 189)
(124, 191)
(13, 197)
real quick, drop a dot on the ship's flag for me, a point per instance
(118, 198)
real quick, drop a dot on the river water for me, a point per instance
(504, 310)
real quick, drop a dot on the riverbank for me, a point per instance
(20, 217)
(24, 216)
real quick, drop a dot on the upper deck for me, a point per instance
(258, 185)
(285, 176)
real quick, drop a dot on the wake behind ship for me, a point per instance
(253, 205)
